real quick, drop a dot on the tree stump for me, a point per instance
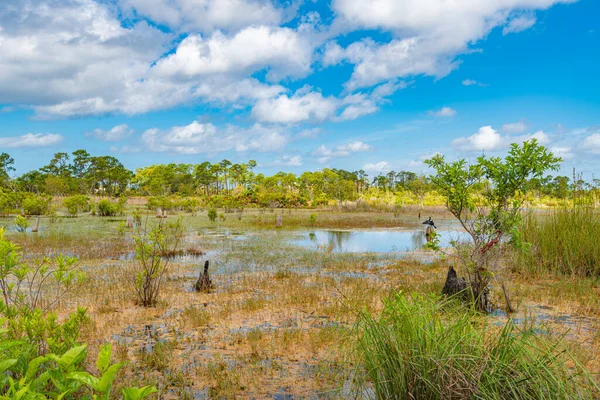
(454, 285)
(279, 221)
(204, 283)
(37, 225)
(159, 213)
(130, 222)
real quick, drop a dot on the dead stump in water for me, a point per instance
(204, 283)
(279, 221)
(454, 285)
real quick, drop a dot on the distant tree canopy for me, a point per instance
(80, 173)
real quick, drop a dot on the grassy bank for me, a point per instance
(421, 349)
(563, 241)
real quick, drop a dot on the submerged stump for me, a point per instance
(204, 284)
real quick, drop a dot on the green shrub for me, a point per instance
(312, 219)
(10, 201)
(36, 205)
(109, 209)
(565, 241)
(39, 356)
(212, 214)
(21, 223)
(420, 348)
(76, 204)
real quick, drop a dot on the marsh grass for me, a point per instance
(423, 349)
(564, 241)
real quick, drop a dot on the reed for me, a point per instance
(564, 241)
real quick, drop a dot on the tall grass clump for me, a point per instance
(419, 348)
(565, 241)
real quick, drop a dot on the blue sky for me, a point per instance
(299, 85)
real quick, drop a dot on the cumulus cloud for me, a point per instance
(324, 153)
(489, 139)
(289, 161)
(285, 51)
(564, 152)
(427, 34)
(443, 112)
(515, 127)
(382, 166)
(207, 15)
(31, 140)
(197, 138)
(592, 143)
(302, 106)
(114, 134)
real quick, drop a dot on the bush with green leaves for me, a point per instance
(154, 245)
(212, 214)
(487, 198)
(10, 201)
(77, 204)
(40, 357)
(21, 223)
(424, 348)
(59, 376)
(106, 208)
(36, 205)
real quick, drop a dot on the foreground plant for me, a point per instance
(487, 199)
(40, 356)
(153, 247)
(420, 348)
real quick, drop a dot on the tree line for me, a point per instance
(80, 173)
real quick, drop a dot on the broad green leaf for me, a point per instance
(6, 364)
(108, 377)
(104, 358)
(33, 368)
(72, 356)
(85, 378)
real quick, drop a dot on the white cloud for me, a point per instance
(515, 127)
(324, 154)
(566, 153)
(488, 139)
(207, 15)
(285, 51)
(471, 82)
(310, 133)
(301, 107)
(198, 138)
(31, 140)
(382, 166)
(443, 112)
(289, 161)
(53, 52)
(427, 34)
(519, 24)
(592, 143)
(114, 134)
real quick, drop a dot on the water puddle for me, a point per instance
(380, 241)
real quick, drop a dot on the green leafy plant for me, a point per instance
(153, 245)
(36, 205)
(212, 214)
(487, 198)
(109, 209)
(21, 223)
(312, 219)
(76, 204)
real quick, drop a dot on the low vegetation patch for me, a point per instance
(424, 349)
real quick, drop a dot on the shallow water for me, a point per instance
(377, 241)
